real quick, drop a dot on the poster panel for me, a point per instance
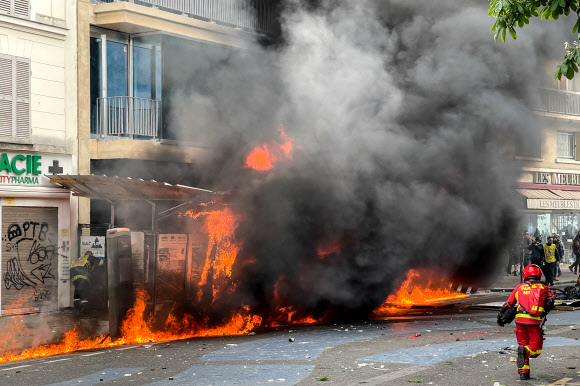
(95, 244)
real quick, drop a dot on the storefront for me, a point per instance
(552, 204)
(36, 233)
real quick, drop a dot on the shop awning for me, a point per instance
(550, 194)
(116, 188)
(538, 193)
(552, 199)
(567, 194)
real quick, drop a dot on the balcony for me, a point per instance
(559, 102)
(256, 17)
(125, 116)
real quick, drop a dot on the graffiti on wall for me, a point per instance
(31, 244)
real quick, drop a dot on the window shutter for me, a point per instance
(6, 99)
(5, 6)
(22, 98)
(22, 8)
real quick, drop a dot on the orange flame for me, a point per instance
(329, 248)
(284, 316)
(222, 250)
(136, 330)
(415, 290)
(264, 157)
(261, 159)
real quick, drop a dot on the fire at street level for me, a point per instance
(136, 329)
(214, 312)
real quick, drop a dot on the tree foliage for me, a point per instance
(510, 14)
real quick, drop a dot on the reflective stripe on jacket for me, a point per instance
(526, 302)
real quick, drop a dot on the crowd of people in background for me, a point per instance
(547, 255)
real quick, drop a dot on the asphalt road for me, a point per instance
(447, 346)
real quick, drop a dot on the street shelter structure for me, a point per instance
(135, 260)
(113, 189)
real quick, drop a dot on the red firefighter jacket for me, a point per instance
(533, 300)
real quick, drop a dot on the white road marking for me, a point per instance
(58, 360)
(17, 367)
(94, 353)
(125, 348)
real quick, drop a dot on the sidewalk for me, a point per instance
(509, 282)
(19, 332)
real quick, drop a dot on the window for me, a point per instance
(529, 143)
(14, 97)
(566, 145)
(15, 7)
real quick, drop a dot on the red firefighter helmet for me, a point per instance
(532, 270)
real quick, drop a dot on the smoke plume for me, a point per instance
(404, 116)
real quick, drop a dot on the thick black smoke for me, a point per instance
(404, 116)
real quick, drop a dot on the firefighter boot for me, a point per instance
(523, 368)
(77, 306)
(521, 357)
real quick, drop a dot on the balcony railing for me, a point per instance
(559, 102)
(253, 15)
(127, 116)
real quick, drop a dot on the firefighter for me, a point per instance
(80, 273)
(531, 301)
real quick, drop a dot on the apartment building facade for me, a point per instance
(550, 180)
(38, 126)
(137, 61)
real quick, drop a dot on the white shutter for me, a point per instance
(22, 98)
(22, 8)
(6, 99)
(5, 6)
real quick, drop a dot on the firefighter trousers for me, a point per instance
(530, 338)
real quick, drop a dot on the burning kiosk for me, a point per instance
(120, 262)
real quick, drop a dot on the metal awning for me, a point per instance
(116, 188)
(113, 189)
(567, 194)
(538, 193)
(550, 194)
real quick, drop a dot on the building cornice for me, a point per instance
(33, 27)
(567, 117)
(124, 16)
(550, 170)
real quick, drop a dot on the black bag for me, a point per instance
(506, 316)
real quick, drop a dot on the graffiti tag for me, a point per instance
(15, 275)
(42, 294)
(40, 255)
(43, 272)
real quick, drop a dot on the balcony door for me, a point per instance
(109, 63)
(125, 84)
(117, 68)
